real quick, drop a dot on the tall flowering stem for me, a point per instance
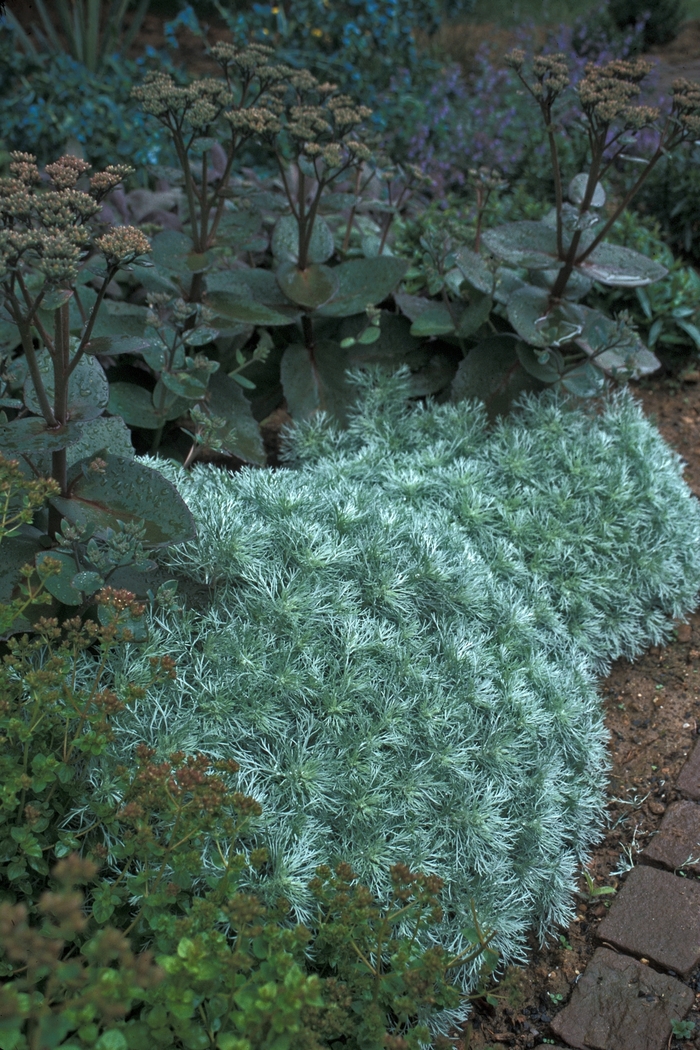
(48, 231)
(607, 95)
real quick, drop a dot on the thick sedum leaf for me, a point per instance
(241, 434)
(626, 356)
(363, 283)
(88, 388)
(435, 319)
(577, 189)
(126, 491)
(61, 586)
(492, 373)
(134, 405)
(584, 380)
(318, 386)
(547, 366)
(237, 306)
(309, 288)
(475, 270)
(33, 435)
(285, 240)
(620, 267)
(532, 245)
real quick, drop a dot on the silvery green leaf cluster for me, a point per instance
(398, 637)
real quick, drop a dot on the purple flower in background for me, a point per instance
(488, 119)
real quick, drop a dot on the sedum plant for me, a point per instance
(313, 135)
(537, 272)
(106, 509)
(401, 638)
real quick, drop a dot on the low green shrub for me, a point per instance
(49, 100)
(163, 945)
(397, 641)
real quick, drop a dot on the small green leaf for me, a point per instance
(185, 384)
(242, 381)
(61, 585)
(201, 335)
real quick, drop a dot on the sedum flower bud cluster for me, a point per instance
(47, 226)
(551, 74)
(606, 94)
(262, 100)
(685, 107)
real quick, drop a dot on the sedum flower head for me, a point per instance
(23, 167)
(64, 208)
(123, 244)
(686, 105)
(254, 120)
(59, 257)
(103, 181)
(196, 106)
(65, 172)
(606, 93)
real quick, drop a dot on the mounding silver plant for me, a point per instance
(402, 637)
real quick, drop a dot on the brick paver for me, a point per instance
(688, 782)
(678, 839)
(656, 915)
(621, 1004)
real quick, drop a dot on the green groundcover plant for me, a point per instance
(397, 641)
(163, 946)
